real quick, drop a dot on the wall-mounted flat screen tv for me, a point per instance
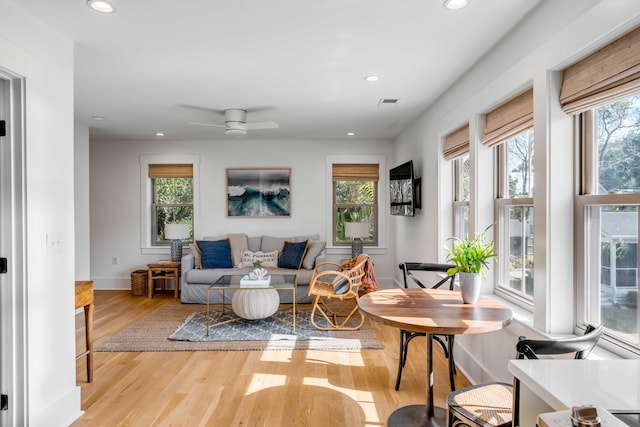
(404, 190)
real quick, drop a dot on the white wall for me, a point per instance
(115, 197)
(29, 48)
(555, 35)
(82, 208)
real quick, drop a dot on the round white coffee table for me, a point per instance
(254, 304)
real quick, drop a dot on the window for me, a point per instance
(609, 205)
(172, 199)
(461, 182)
(603, 91)
(515, 215)
(355, 199)
(456, 148)
(169, 192)
(509, 129)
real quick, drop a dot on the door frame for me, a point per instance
(13, 295)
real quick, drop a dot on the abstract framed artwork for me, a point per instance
(259, 192)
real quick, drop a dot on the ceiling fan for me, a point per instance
(235, 122)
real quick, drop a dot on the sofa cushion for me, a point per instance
(297, 239)
(254, 243)
(238, 243)
(270, 244)
(314, 248)
(292, 255)
(269, 259)
(215, 253)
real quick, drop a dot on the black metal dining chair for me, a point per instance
(497, 404)
(445, 341)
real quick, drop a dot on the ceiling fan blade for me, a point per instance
(206, 124)
(197, 107)
(262, 125)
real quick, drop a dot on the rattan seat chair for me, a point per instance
(335, 294)
(497, 404)
(445, 341)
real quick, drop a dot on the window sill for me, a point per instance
(604, 350)
(346, 250)
(155, 250)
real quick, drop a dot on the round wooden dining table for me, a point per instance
(432, 311)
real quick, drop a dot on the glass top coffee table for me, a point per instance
(231, 282)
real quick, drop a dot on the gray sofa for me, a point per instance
(195, 280)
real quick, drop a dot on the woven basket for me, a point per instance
(139, 283)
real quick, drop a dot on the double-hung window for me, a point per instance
(456, 149)
(604, 95)
(509, 128)
(355, 199)
(171, 199)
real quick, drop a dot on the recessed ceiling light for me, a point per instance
(102, 6)
(372, 78)
(98, 118)
(454, 4)
(159, 134)
(351, 134)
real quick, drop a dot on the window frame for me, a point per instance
(382, 197)
(587, 197)
(375, 206)
(154, 214)
(146, 198)
(502, 201)
(459, 203)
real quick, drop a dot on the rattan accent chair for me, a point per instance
(445, 341)
(497, 404)
(335, 294)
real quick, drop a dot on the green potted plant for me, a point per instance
(470, 256)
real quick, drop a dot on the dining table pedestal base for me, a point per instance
(416, 415)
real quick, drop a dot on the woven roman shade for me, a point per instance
(611, 73)
(456, 144)
(509, 119)
(355, 172)
(170, 171)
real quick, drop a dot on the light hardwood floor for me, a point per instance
(245, 388)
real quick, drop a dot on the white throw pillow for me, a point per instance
(269, 259)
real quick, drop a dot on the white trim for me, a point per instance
(383, 191)
(13, 336)
(145, 196)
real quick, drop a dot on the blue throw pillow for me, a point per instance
(215, 253)
(292, 255)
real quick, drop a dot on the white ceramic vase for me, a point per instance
(470, 284)
(255, 303)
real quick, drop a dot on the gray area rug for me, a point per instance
(181, 327)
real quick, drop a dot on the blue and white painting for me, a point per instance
(259, 192)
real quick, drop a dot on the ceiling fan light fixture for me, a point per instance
(102, 6)
(454, 4)
(237, 132)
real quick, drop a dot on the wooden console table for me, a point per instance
(163, 271)
(84, 299)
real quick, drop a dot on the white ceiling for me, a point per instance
(303, 62)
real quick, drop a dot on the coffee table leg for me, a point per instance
(207, 321)
(294, 310)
